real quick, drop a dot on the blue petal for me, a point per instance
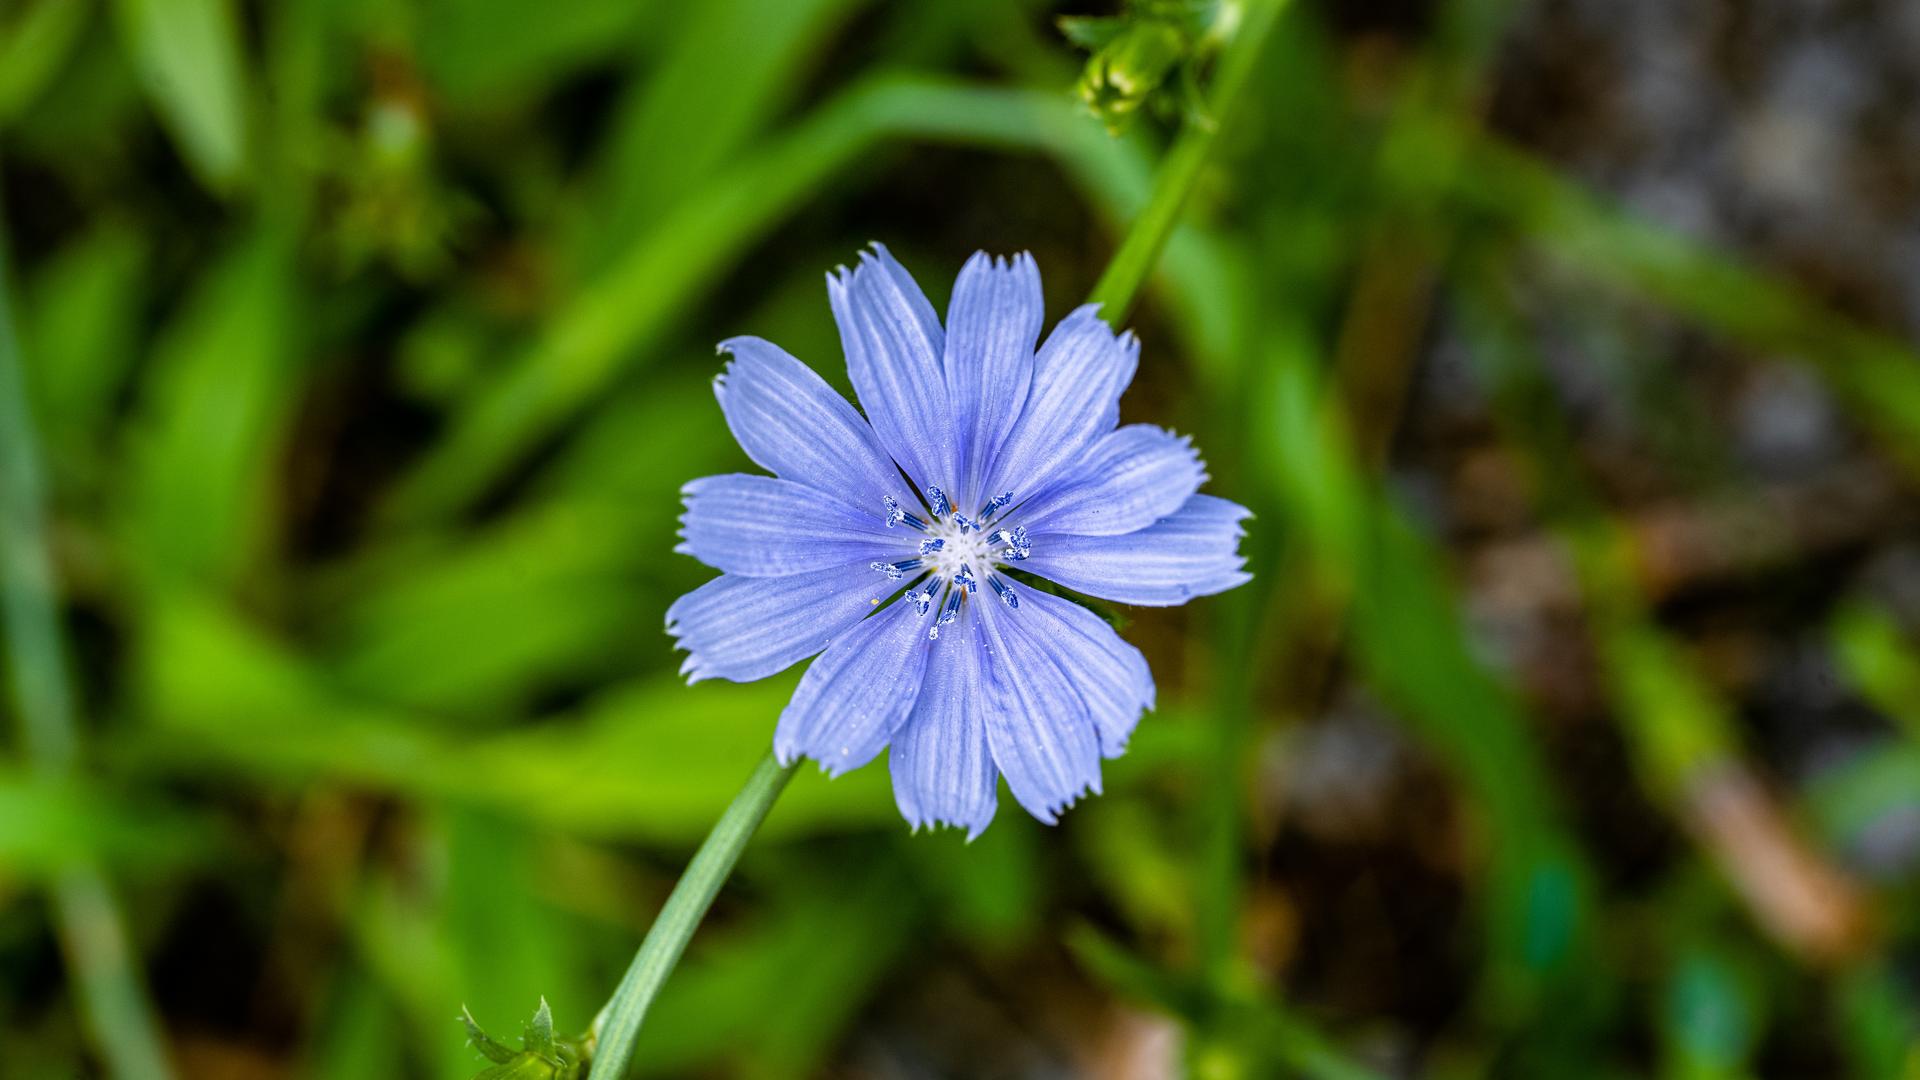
(1195, 552)
(757, 526)
(1111, 675)
(993, 323)
(942, 766)
(853, 698)
(742, 628)
(1042, 738)
(1078, 377)
(894, 344)
(1129, 479)
(794, 425)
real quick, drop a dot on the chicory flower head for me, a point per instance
(883, 544)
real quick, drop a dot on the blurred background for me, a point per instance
(1565, 350)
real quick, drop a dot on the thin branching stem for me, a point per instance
(1139, 252)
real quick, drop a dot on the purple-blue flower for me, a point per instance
(883, 544)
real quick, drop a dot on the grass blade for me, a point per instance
(188, 54)
(90, 926)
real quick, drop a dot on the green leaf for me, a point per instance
(763, 46)
(1091, 31)
(651, 759)
(220, 391)
(492, 54)
(541, 1056)
(83, 313)
(188, 56)
(33, 47)
(492, 1049)
(539, 1033)
(48, 826)
(1877, 658)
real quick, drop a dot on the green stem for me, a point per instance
(98, 955)
(618, 1024)
(1140, 251)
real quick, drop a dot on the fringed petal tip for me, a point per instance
(788, 754)
(1050, 813)
(875, 255)
(691, 669)
(1021, 261)
(973, 829)
(1089, 312)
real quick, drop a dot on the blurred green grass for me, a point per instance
(368, 346)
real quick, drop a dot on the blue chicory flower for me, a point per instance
(967, 674)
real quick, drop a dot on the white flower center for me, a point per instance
(960, 549)
(956, 554)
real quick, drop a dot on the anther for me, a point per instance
(895, 570)
(966, 523)
(921, 599)
(897, 516)
(1018, 546)
(937, 501)
(993, 507)
(1022, 547)
(964, 580)
(931, 545)
(1005, 591)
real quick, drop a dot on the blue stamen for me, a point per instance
(937, 502)
(993, 507)
(966, 523)
(1005, 591)
(897, 516)
(931, 545)
(1022, 547)
(964, 580)
(896, 570)
(947, 614)
(921, 599)
(1018, 546)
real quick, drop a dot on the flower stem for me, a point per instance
(1140, 250)
(112, 998)
(618, 1024)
